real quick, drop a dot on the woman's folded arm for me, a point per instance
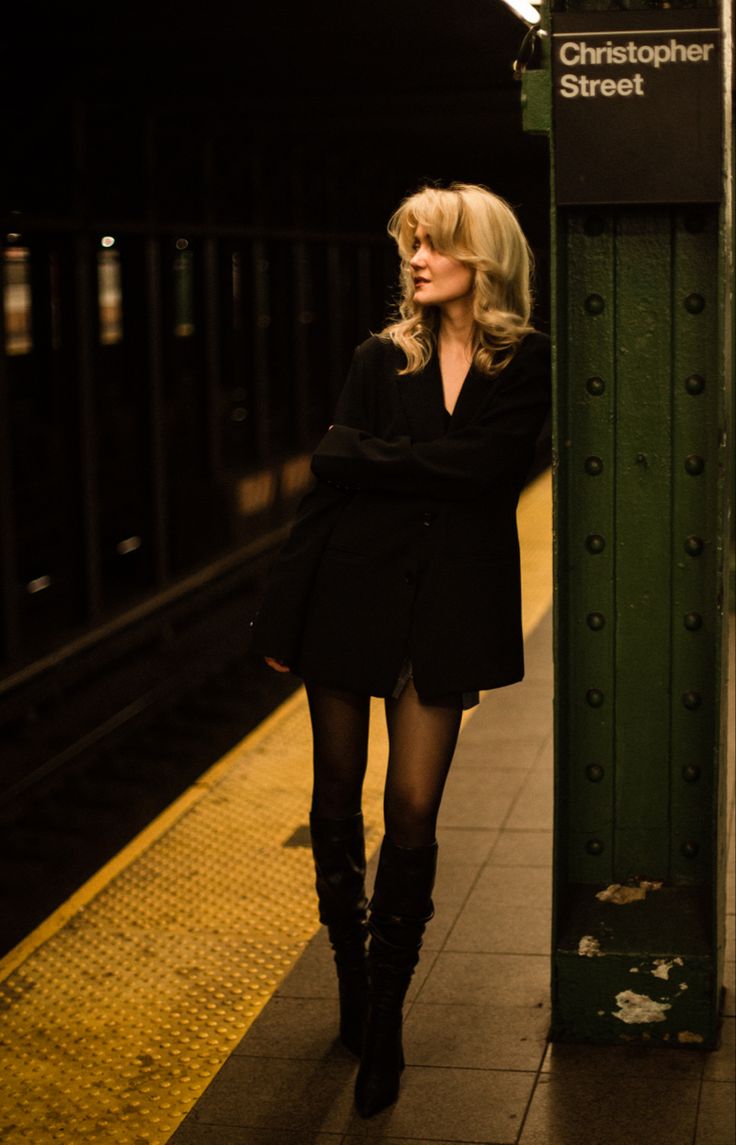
(463, 464)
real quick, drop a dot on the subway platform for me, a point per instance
(187, 993)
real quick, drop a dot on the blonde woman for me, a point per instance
(401, 579)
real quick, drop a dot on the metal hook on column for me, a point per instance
(528, 50)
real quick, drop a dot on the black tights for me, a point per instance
(422, 740)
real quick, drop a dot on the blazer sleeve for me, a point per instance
(463, 464)
(276, 628)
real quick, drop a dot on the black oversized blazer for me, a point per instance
(406, 547)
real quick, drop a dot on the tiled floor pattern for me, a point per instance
(479, 1068)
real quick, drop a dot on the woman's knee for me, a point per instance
(410, 818)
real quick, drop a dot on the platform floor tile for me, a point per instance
(591, 1106)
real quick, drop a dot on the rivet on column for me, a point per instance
(690, 849)
(692, 700)
(693, 621)
(694, 465)
(695, 384)
(594, 304)
(695, 304)
(691, 773)
(593, 466)
(595, 697)
(596, 621)
(595, 386)
(594, 772)
(595, 543)
(693, 546)
(594, 847)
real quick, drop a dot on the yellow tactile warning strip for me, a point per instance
(535, 538)
(120, 1008)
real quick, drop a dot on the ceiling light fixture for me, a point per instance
(525, 10)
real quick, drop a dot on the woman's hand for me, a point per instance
(277, 665)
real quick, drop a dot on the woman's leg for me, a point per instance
(422, 739)
(340, 738)
(340, 749)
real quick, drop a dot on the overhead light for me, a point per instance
(525, 10)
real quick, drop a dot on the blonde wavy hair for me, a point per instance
(478, 228)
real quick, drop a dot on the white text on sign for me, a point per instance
(580, 53)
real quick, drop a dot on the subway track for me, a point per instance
(83, 803)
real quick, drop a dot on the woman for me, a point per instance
(401, 579)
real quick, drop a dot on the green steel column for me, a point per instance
(643, 297)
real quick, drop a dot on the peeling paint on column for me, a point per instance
(619, 894)
(662, 967)
(687, 1037)
(637, 1008)
(590, 947)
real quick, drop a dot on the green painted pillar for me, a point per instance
(642, 331)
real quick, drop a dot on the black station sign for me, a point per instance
(637, 106)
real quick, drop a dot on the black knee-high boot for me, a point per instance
(400, 909)
(338, 848)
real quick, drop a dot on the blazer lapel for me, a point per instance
(471, 399)
(423, 401)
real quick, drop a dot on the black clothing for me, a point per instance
(406, 548)
(400, 909)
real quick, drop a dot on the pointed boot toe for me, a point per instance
(377, 1084)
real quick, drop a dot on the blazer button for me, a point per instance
(428, 518)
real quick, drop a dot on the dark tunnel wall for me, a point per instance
(161, 393)
(326, 118)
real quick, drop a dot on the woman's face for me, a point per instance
(438, 279)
